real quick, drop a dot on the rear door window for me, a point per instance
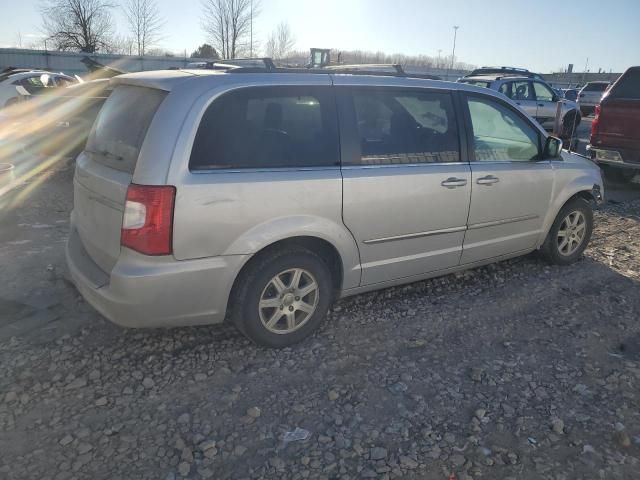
(522, 91)
(628, 86)
(397, 126)
(268, 127)
(122, 126)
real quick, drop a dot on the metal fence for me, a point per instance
(71, 62)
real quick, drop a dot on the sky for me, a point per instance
(542, 35)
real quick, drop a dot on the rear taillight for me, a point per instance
(147, 225)
(595, 125)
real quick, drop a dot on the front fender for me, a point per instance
(277, 229)
(566, 189)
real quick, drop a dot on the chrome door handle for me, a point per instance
(453, 182)
(488, 180)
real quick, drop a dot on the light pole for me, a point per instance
(453, 54)
(251, 30)
(439, 52)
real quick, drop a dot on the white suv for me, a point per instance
(534, 96)
(590, 96)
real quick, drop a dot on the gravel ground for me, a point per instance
(517, 370)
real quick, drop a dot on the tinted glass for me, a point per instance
(522, 91)
(396, 126)
(122, 125)
(571, 95)
(267, 128)
(628, 86)
(501, 134)
(595, 87)
(543, 93)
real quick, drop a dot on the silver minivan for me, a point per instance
(262, 196)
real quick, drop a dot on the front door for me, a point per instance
(546, 112)
(511, 186)
(406, 191)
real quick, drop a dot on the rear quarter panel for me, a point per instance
(238, 212)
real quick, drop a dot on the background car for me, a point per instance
(615, 130)
(58, 122)
(590, 95)
(534, 96)
(16, 84)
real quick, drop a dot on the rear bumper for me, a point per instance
(144, 291)
(622, 157)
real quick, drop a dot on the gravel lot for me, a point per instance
(517, 370)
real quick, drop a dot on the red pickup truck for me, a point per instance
(615, 131)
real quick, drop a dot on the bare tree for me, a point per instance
(84, 25)
(280, 42)
(145, 23)
(228, 24)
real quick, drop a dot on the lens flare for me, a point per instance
(40, 132)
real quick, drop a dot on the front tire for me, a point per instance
(570, 233)
(283, 297)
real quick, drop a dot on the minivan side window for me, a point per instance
(500, 133)
(268, 127)
(403, 126)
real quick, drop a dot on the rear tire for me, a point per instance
(282, 298)
(570, 233)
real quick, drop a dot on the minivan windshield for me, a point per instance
(122, 125)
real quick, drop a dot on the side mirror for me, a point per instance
(552, 148)
(555, 97)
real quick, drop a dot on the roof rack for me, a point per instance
(370, 67)
(484, 71)
(266, 65)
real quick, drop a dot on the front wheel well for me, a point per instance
(322, 248)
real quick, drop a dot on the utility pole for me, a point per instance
(453, 54)
(251, 30)
(439, 52)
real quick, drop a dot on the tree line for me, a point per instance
(89, 26)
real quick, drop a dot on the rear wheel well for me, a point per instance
(322, 248)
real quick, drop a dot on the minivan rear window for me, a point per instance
(122, 125)
(628, 86)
